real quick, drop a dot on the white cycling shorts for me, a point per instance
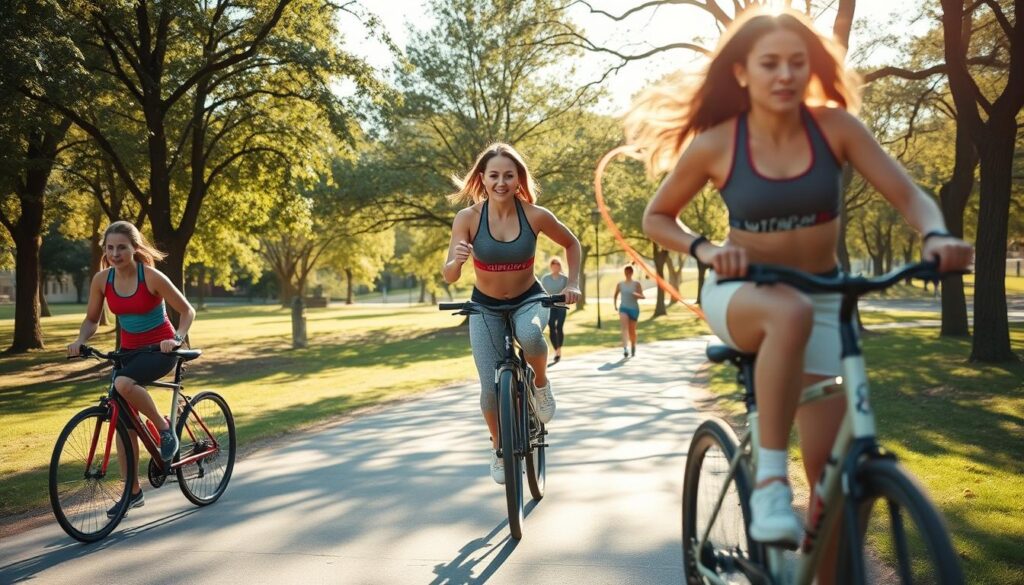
(823, 351)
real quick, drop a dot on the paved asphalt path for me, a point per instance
(402, 495)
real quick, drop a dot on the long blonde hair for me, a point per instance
(664, 118)
(471, 187)
(144, 251)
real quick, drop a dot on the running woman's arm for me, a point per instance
(615, 298)
(563, 236)
(92, 313)
(889, 178)
(460, 248)
(639, 292)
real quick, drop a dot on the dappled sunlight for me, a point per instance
(404, 489)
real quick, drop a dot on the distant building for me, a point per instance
(55, 290)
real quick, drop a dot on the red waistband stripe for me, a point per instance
(502, 266)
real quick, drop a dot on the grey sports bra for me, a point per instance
(761, 204)
(491, 255)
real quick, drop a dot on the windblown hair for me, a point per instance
(667, 116)
(144, 251)
(471, 187)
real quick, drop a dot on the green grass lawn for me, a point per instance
(359, 355)
(958, 427)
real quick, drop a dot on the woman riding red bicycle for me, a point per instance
(136, 292)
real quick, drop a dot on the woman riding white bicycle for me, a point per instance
(770, 124)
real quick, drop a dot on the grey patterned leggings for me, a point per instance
(487, 338)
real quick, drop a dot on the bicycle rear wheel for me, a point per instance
(903, 538)
(507, 430)
(81, 491)
(207, 428)
(728, 553)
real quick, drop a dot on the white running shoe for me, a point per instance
(497, 468)
(773, 520)
(545, 402)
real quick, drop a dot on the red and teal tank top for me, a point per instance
(141, 314)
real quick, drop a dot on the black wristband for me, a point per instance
(693, 246)
(936, 234)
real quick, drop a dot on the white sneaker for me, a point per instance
(773, 520)
(497, 468)
(545, 402)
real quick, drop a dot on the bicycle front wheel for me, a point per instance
(902, 537)
(206, 434)
(507, 431)
(89, 491)
(536, 459)
(727, 555)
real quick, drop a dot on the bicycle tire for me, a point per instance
(536, 458)
(203, 482)
(884, 480)
(513, 464)
(79, 502)
(729, 550)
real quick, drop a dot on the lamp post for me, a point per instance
(595, 215)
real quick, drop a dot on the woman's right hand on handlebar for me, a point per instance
(727, 261)
(75, 348)
(463, 250)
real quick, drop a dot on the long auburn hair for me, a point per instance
(471, 187)
(145, 252)
(664, 118)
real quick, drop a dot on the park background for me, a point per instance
(282, 149)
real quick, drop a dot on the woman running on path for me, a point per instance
(628, 307)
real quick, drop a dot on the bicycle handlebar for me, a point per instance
(86, 352)
(843, 283)
(473, 307)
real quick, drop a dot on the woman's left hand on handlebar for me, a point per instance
(572, 294)
(169, 345)
(953, 254)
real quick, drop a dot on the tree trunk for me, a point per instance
(27, 236)
(991, 322)
(201, 289)
(27, 331)
(349, 296)
(842, 250)
(953, 196)
(660, 257)
(423, 290)
(702, 270)
(44, 307)
(675, 275)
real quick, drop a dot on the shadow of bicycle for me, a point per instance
(460, 570)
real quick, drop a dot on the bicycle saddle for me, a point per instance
(188, 355)
(724, 353)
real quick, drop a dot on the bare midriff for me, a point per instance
(504, 285)
(811, 249)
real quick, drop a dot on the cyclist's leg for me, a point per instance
(529, 322)
(776, 323)
(138, 397)
(123, 463)
(819, 421)
(486, 338)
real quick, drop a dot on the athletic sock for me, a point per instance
(771, 463)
